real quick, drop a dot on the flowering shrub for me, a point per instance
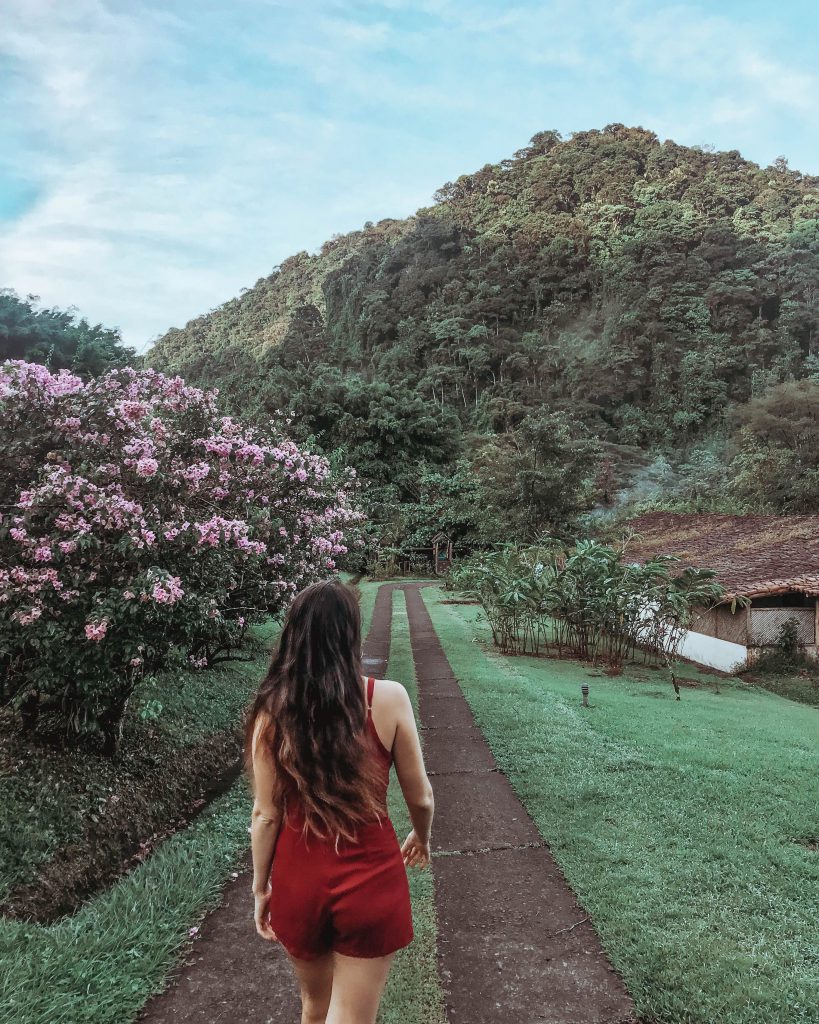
(136, 522)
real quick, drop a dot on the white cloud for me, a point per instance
(714, 53)
(181, 150)
(368, 36)
(780, 84)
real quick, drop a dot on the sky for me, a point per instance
(158, 157)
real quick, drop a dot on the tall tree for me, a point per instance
(59, 339)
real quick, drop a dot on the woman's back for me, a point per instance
(394, 741)
(332, 892)
(377, 749)
(329, 874)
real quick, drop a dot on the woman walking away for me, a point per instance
(329, 876)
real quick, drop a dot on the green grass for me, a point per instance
(368, 591)
(413, 993)
(800, 686)
(675, 822)
(100, 965)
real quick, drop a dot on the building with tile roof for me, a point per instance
(771, 560)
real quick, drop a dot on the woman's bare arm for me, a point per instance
(265, 823)
(414, 782)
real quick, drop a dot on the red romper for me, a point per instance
(352, 897)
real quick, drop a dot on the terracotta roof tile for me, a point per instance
(751, 555)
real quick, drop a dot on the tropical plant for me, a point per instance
(586, 601)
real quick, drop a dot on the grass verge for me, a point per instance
(678, 824)
(413, 994)
(798, 685)
(100, 965)
(367, 591)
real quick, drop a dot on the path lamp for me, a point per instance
(584, 689)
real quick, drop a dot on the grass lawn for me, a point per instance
(801, 686)
(677, 823)
(100, 965)
(367, 592)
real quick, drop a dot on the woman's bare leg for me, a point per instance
(358, 984)
(315, 983)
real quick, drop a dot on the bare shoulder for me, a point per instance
(393, 692)
(261, 726)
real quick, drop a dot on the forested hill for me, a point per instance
(625, 290)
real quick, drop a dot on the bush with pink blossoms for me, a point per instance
(138, 524)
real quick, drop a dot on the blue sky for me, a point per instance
(157, 157)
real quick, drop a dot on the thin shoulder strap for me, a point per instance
(370, 688)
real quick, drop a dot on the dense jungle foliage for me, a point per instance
(600, 320)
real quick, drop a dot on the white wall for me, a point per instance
(708, 650)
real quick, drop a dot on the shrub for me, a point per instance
(139, 523)
(585, 601)
(786, 654)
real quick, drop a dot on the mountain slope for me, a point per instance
(638, 287)
(598, 270)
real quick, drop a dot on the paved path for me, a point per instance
(230, 975)
(514, 945)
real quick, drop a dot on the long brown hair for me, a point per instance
(315, 711)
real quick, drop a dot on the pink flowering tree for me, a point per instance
(139, 525)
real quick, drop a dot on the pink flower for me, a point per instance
(27, 618)
(94, 502)
(147, 467)
(196, 473)
(167, 591)
(96, 630)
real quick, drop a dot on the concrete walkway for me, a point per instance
(514, 946)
